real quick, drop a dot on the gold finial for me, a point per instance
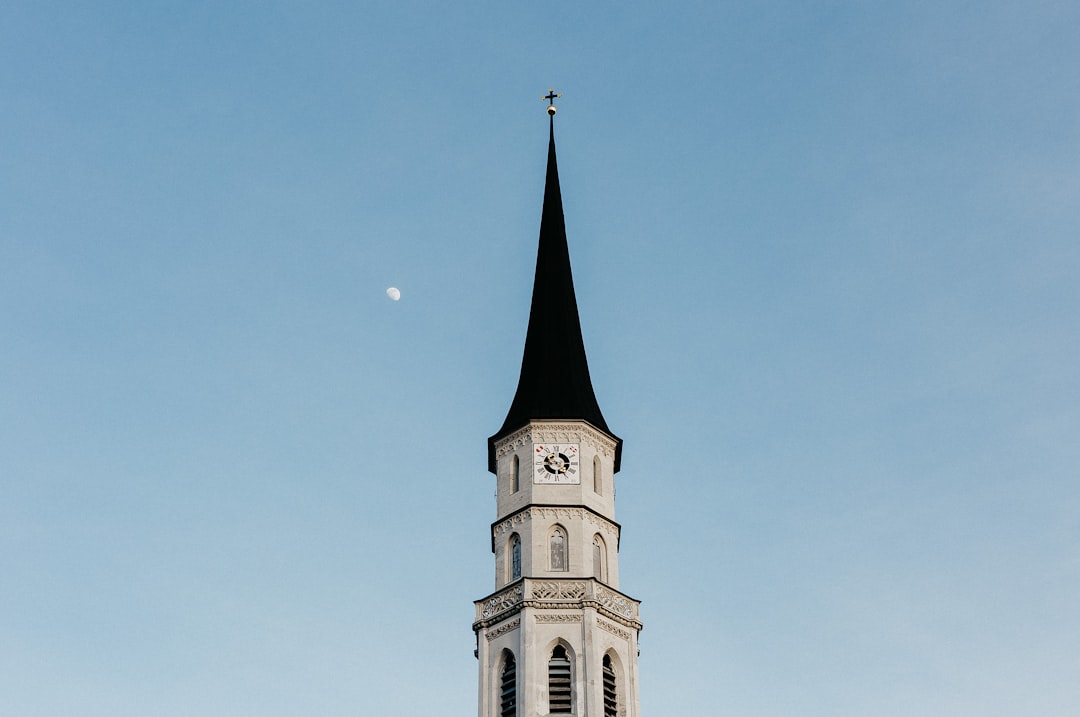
(550, 97)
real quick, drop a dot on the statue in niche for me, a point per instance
(558, 550)
(515, 558)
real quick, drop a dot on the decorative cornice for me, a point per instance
(617, 632)
(617, 602)
(556, 432)
(558, 618)
(556, 512)
(503, 629)
(558, 589)
(500, 602)
(557, 595)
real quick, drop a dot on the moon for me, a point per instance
(393, 293)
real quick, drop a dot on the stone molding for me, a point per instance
(617, 632)
(558, 595)
(502, 630)
(556, 432)
(556, 512)
(557, 590)
(500, 602)
(558, 618)
(617, 602)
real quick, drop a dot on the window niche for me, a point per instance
(611, 692)
(559, 559)
(599, 556)
(514, 566)
(560, 696)
(597, 476)
(508, 686)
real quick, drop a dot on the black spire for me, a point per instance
(554, 381)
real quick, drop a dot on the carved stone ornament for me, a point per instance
(550, 595)
(548, 513)
(617, 632)
(503, 629)
(577, 432)
(558, 590)
(502, 601)
(558, 618)
(615, 603)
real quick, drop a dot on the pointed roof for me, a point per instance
(554, 381)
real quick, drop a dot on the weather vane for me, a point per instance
(550, 97)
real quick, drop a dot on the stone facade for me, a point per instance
(548, 603)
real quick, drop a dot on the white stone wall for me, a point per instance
(531, 634)
(547, 607)
(534, 526)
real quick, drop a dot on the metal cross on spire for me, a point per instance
(551, 96)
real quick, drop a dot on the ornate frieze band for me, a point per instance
(557, 594)
(555, 513)
(617, 632)
(616, 602)
(557, 590)
(503, 629)
(500, 602)
(558, 618)
(579, 432)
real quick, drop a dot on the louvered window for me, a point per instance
(611, 696)
(559, 681)
(508, 688)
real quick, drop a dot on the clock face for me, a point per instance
(555, 463)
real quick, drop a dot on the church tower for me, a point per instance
(557, 636)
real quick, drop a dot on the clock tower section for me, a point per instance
(556, 636)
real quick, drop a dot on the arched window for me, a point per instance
(515, 468)
(508, 687)
(515, 557)
(559, 694)
(559, 562)
(597, 476)
(611, 694)
(598, 555)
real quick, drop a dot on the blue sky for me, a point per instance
(826, 260)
